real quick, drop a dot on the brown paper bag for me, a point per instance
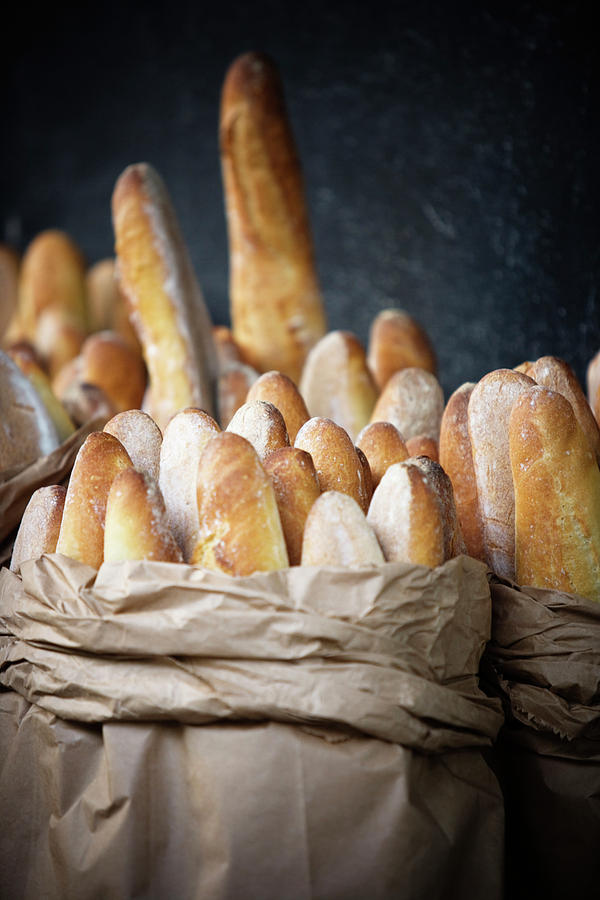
(16, 488)
(544, 662)
(307, 733)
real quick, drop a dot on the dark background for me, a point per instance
(449, 153)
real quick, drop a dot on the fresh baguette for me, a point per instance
(278, 389)
(397, 341)
(141, 437)
(413, 401)
(26, 427)
(334, 456)
(296, 487)
(337, 534)
(262, 424)
(40, 525)
(277, 312)
(383, 445)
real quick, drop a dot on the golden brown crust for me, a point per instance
(278, 389)
(406, 516)
(99, 460)
(277, 312)
(413, 401)
(141, 437)
(456, 458)
(423, 445)
(40, 525)
(262, 424)
(240, 529)
(366, 486)
(454, 544)
(296, 487)
(84, 402)
(226, 347)
(334, 456)
(110, 362)
(136, 521)
(383, 445)
(184, 438)
(337, 534)
(488, 415)
(165, 301)
(557, 496)
(106, 304)
(336, 382)
(397, 341)
(557, 375)
(57, 338)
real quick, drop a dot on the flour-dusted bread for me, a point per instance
(454, 544)
(334, 456)
(557, 496)
(165, 302)
(397, 341)
(141, 437)
(336, 382)
(423, 445)
(337, 534)
(277, 311)
(406, 516)
(39, 526)
(27, 362)
(233, 384)
(413, 401)
(262, 424)
(383, 445)
(136, 524)
(456, 458)
(184, 439)
(100, 459)
(26, 427)
(296, 487)
(240, 530)
(278, 389)
(488, 415)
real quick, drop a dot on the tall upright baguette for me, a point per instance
(413, 401)
(557, 496)
(296, 487)
(397, 341)
(166, 304)
(334, 456)
(280, 390)
(488, 416)
(40, 525)
(337, 534)
(277, 312)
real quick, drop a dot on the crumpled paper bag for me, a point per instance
(544, 662)
(302, 733)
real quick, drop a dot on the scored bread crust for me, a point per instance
(100, 459)
(136, 524)
(240, 530)
(456, 458)
(277, 311)
(296, 487)
(488, 416)
(557, 496)
(166, 305)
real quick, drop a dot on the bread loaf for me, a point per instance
(141, 437)
(488, 415)
(557, 375)
(278, 389)
(439, 480)
(557, 496)
(423, 445)
(86, 402)
(240, 529)
(106, 304)
(40, 525)
(337, 534)
(233, 385)
(383, 445)
(413, 401)
(397, 341)
(456, 458)
(100, 459)
(262, 424)
(277, 312)
(27, 363)
(406, 516)
(26, 427)
(336, 382)
(184, 439)
(296, 487)
(136, 521)
(165, 302)
(226, 347)
(334, 456)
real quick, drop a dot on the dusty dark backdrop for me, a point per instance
(450, 153)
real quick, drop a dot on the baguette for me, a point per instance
(165, 301)
(141, 437)
(383, 445)
(334, 456)
(423, 445)
(234, 383)
(337, 534)
(276, 388)
(262, 424)
(26, 427)
(40, 525)
(439, 480)
(557, 496)
(413, 401)
(277, 311)
(106, 304)
(397, 341)
(296, 487)
(240, 529)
